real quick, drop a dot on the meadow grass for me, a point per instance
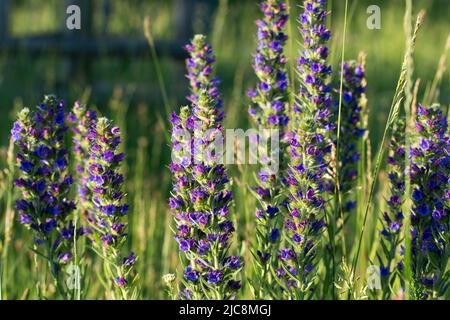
(139, 93)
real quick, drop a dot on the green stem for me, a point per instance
(393, 114)
(337, 198)
(408, 128)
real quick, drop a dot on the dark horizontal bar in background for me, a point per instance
(104, 46)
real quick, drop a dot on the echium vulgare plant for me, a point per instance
(352, 130)
(45, 206)
(268, 109)
(430, 174)
(201, 197)
(201, 200)
(200, 70)
(107, 219)
(309, 150)
(81, 119)
(391, 249)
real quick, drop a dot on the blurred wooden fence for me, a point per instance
(80, 43)
(79, 48)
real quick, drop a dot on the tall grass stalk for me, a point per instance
(339, 215)
(9, 220)
(432, 93)
(159, 74)
(151, 42)
(332, 224)
(393, 114)
(408, 131)
(139, 206)
(336, 41)
(219, 24)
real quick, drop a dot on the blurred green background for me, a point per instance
(231, 29)
(125, 87)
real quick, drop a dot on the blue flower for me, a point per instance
(271, 211)
(26, 166)
(423, 210)
(417, 195)
(395, 226)
(43, 152)
(184, 245)
(25, 219)
(59, 119)
(214, 277)
(274, 235)
(130, 260)
(384, 271)
(121, 281)
(233, 262)
(61, 163)
(191, 275)
(16, 131)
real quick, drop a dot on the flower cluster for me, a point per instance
(201, 197)
(351, 130)
(199, 68)
(315, 72)
(108, 230)
(44, 180)
(392, 220)
(270, 97)
(269, 105)
(310, 144)
(81, 120)
(430, 174)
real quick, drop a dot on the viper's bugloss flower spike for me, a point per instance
(269, 110)
(44, 180)
(430, 181)
(314, 70)
(107, 218)
(200, 70)
(270, 97)
(352, 131)
(81, 119)
(201, 200)
(201, 196)
(392, 247)
(310, 146)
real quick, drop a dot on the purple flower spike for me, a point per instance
(430, 173)
(45, 206)
(392, 221)
(269, 110)
(81, 120)
(108, 211)
(270, 67)
(199, 67)
(309, 155)
(352, 130)
(201, 196)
